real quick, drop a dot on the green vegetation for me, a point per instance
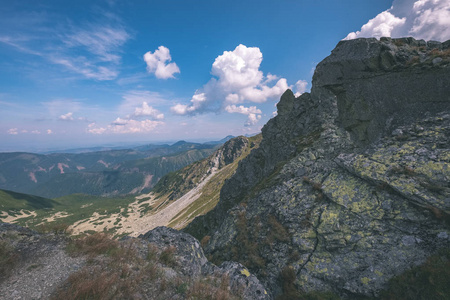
(12, 201)
(68, 209)
(429, 281)
(110, 173)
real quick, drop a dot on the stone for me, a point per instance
(349, 186)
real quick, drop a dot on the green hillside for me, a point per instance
(106, 173)
(12, 201)
(67, 210)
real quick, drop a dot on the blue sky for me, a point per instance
(79, 73)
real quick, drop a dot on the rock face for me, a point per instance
(193, 262)
(350, 184)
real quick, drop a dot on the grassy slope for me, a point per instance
(12, 201)
(77, 207)
(211, 191)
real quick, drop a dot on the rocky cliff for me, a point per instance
(350, 184)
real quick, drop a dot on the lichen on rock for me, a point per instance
(356, 172)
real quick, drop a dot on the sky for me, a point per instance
(85, 73)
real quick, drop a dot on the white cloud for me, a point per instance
(300, 87)
(86, 68)
(101, 40)
(141, 118)
(159, 63)
(125, 126)
(253, 114)
(66, 117)
(134, 126)
(197, 102)
(92, 50)
(237, 79)
(242, 109)
(49, 131)
(421, 19)
(135, 98)
(13, 131)
(36, 132)
(252, 119)
(147, 111)
(59, 106)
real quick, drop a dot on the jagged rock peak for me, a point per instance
(349, 186)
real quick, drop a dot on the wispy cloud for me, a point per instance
(104, 41)
(91, 49)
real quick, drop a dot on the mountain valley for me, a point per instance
(344, 195)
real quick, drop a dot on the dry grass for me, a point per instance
(93, 245)
(52, 227)
(211, 288)
(8, 259)
(132, 270)
(167, 256)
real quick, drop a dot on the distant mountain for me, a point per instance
(175, 200)
(225, 139)
(113, 172)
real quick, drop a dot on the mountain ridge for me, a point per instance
(341, 171)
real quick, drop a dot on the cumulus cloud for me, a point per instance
(66, 117)
(125, 126)
(197, 102)
(148, 111)
(159, 63)
(253, 114)
(252, 119)
(237, 79)
(133, 126)
(300, 87)
(13, 131)
(49, 131)
(141, 118)
(421, 19)
(242, 109)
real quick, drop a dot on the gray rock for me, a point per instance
(350, 183)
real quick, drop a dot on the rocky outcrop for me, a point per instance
(161, 264)
(350, 184)
(193, 262)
